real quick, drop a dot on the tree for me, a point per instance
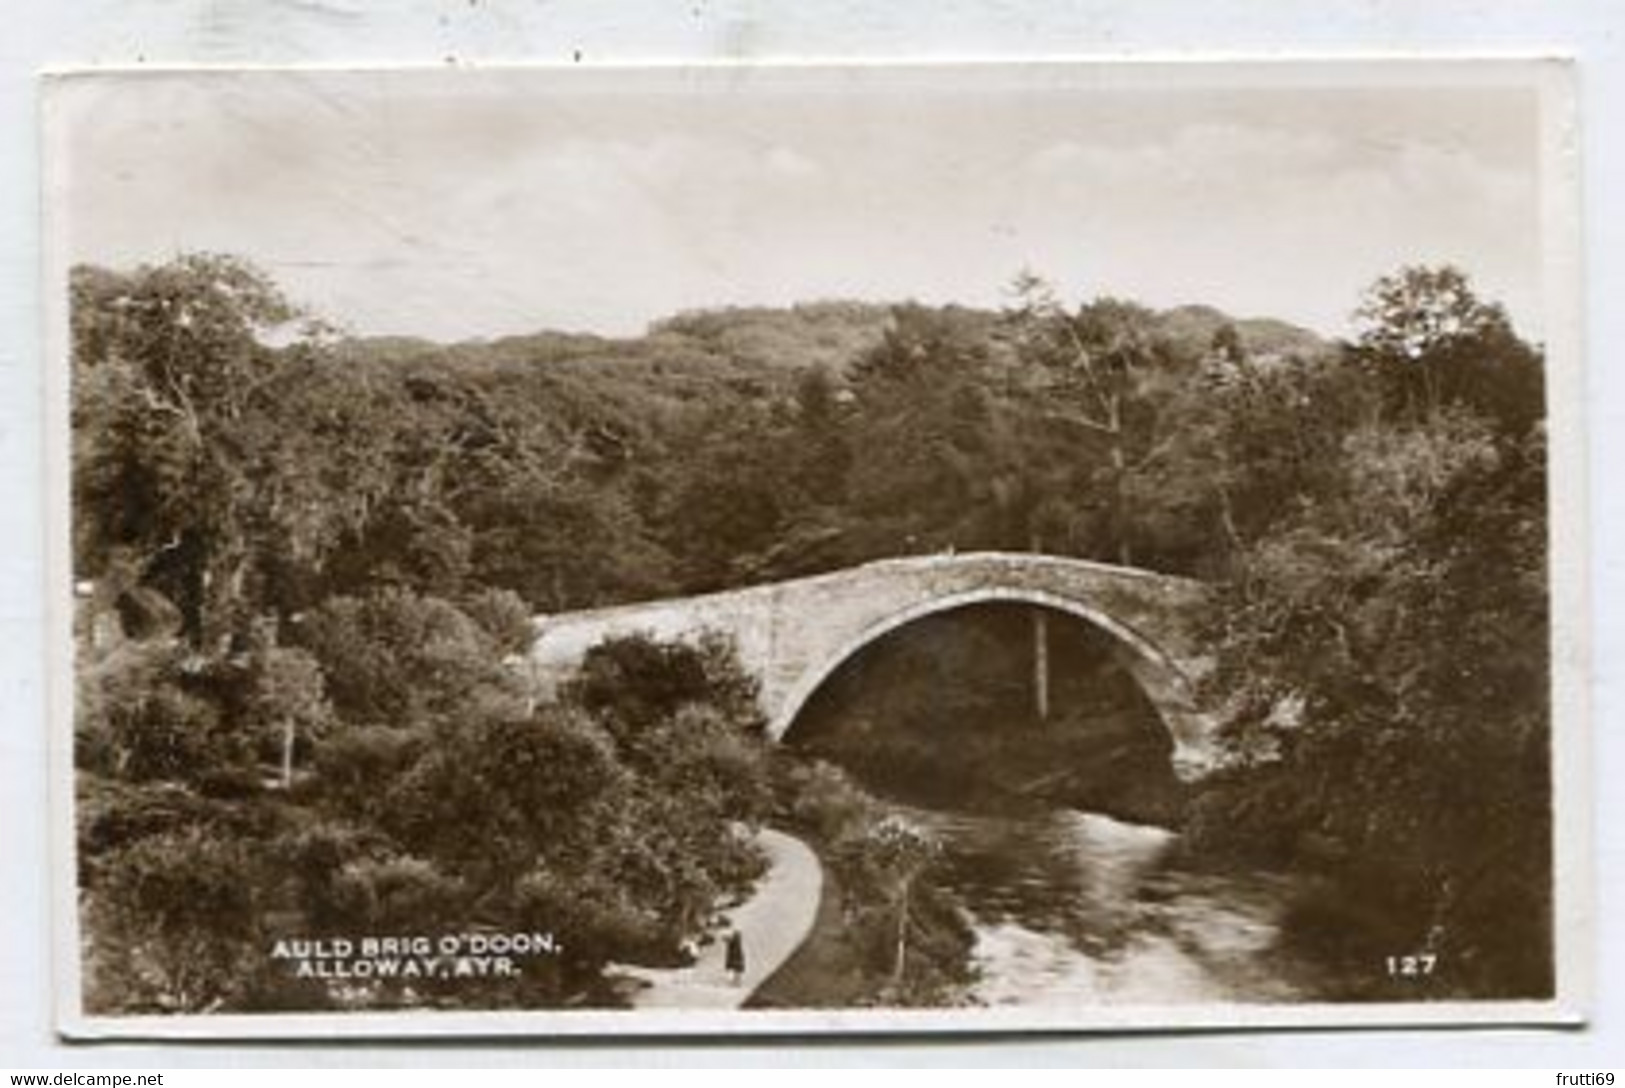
(1228, 345)
(175, 920)
(1236, 452)
(145, 713)
(821, 453)
(900, 851)
(925, 459)
(1417, 311)
(497, 795)
(287, 694)
(1383, 653)
(727, 502)
(503, 615)
(398, 659)
(1436, 343)
(1093, 362)
(168, 364)
(633, 683)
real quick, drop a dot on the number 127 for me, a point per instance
(1412, 966)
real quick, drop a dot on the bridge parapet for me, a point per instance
(792, 635)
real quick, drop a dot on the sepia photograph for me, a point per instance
(800, 548)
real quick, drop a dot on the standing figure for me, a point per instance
(734, 957)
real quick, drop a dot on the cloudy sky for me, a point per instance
(462, 204)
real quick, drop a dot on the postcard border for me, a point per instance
(1553, 77)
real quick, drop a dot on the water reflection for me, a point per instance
(1077, 908)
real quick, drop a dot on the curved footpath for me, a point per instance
(774, 921)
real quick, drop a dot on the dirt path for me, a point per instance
(774, 921)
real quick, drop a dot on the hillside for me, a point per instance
(1191, 328)
(754, 350)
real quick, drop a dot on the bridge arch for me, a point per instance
(1165, 685)
(792, 635)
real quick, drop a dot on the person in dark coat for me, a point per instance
(734, 956)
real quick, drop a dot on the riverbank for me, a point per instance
(775, 920)
(822, 973)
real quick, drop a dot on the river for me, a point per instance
(1075, 908)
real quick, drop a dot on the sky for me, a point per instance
(463, 204)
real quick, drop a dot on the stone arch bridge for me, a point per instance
(792, 635)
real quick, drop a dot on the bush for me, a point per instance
(505, 617)
(632, 682)
(175, 924)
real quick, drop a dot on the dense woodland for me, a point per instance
(306, 563)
